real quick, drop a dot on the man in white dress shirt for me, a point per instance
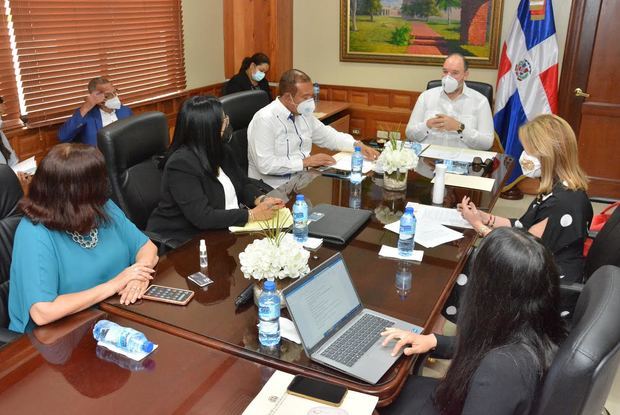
(280, 136)
(452, 114)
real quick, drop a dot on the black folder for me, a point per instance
(339, 223)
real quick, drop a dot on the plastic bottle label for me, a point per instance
(268, 312)
(269, 327)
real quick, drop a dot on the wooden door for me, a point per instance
(591, 63)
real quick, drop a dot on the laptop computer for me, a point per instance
(334, 326)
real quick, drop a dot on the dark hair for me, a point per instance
(93, 83)
(290, 79)
(256, 59)
(69, 190)
(199, 128)
(512, 297)
(460, 55)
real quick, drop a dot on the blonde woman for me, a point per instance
(561, 213)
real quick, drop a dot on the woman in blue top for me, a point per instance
(74, 247)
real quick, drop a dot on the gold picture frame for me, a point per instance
(420, 32)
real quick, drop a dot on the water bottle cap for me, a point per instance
(270, 285)
(300, 197)
(148, 347)
(409, 210)
(358, 148)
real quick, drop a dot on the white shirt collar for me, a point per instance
(280, 109)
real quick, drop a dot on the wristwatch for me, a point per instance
(461, 128)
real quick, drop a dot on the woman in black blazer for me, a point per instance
(251, 75)
(202, 186)
(508, 331)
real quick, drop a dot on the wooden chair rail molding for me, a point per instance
(371, 109)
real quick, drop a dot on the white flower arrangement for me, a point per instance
(395, 157)
(274, 258)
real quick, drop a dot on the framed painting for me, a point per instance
(420, 32)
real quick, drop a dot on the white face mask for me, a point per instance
(306, 107)
(113, 103)
(449, 84)
(530, 165)
(258, 76)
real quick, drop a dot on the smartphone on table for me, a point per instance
(317, 390)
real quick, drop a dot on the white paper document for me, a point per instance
(137, 356)
(274, 400)
(469, 182)
(28, 166)
(466, 155)
(391, 252)
(429, 234)
(289, 331)
(444, 216)
(343, 162)
(313, 243)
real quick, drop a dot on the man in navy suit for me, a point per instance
(101, 107)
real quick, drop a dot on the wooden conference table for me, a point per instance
(211, 319)
(59, 369)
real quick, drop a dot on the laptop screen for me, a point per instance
(321, 300)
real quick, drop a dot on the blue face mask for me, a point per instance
(258, 76)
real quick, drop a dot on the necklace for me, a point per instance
(80, 240)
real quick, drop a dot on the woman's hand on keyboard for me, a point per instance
(418, 343)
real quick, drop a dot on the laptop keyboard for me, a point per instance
(353, 343)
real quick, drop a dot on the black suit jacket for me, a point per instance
(241, 82)
(193, 200)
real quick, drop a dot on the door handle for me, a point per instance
(580, 93)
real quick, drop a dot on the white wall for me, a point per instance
(203, 36)
(316, 43)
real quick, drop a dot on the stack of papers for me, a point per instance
(274, 400)
(283, 219)
(343, 162)
(429, 234)
(28, 166)
(469, 182)
(443, 216)
(456, 153)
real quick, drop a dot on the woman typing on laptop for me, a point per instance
(509, 329)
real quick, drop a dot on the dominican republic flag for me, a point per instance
(527, 79)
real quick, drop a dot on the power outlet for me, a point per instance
(356, 131)
(395, 134)
(382, 134)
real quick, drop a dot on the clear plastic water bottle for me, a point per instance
(316, 90)
(204, 260)
(403, 279)
(357, 162)
(406, 233)
(355, 196)
(269, 315)
(124, 338)
(300, 219)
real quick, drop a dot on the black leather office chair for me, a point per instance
(580, 377)
(10, 193)
(486, 90)
(132, 148)
(482, 87)
(240, 108)
(605, 249)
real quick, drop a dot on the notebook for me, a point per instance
(338, 224)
